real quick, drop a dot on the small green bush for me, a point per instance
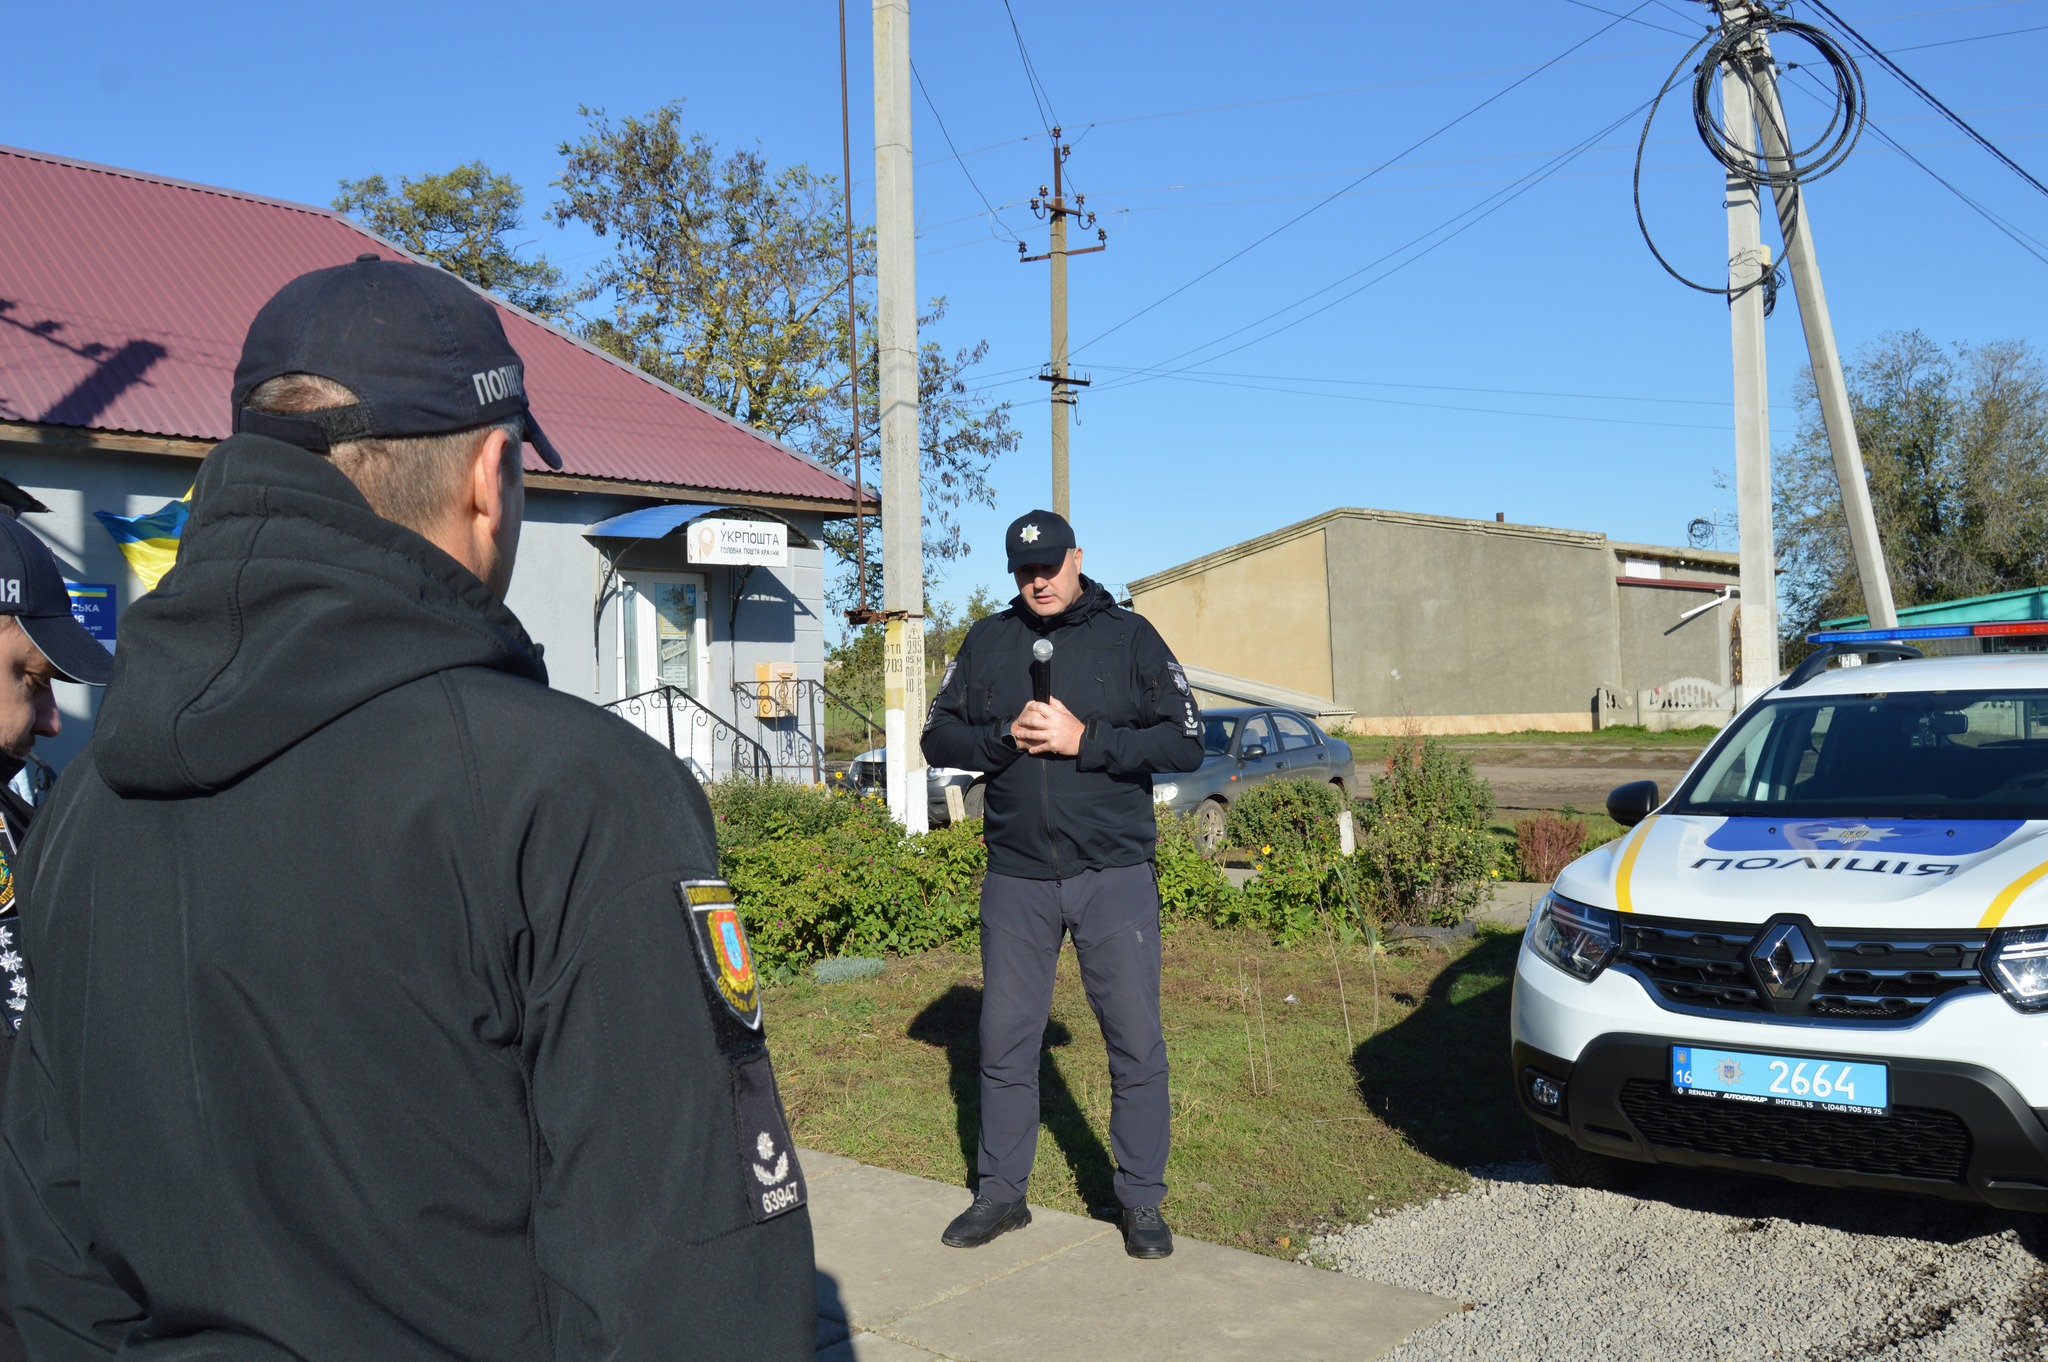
(818, 874)
(1423, 835)
(1191, 886)
(1287, 816)
(1289, 827)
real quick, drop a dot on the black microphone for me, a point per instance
(1041, 671)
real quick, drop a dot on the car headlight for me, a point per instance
(1165, 794)
(1578, 939)
(2016, 964)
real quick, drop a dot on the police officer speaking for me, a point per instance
(385, 1002)
(1070, 704)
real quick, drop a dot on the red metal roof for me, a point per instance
(124, 298)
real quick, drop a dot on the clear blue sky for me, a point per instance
(1198, 128)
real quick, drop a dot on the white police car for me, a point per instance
(1825, 956)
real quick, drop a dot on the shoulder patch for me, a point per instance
(1180, 678)
(722, 947)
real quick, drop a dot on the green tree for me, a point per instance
(1955, 450)
(461, 219)
(726, 277)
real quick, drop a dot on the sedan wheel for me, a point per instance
(1209, 826)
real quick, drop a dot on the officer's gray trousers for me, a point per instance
(1113, 916)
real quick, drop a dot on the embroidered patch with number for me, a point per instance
(722, 947)
(768, 1166)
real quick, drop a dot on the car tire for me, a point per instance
(1209, 816)
(975, 800)
(1338, 784)
(1575, 1167)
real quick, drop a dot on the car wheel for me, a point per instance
(1209, 815)
(1575, 1167)
(975, 800)
(1338, 785)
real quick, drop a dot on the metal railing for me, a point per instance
(675, 712)
(789, 715)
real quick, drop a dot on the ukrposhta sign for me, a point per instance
(756, 543)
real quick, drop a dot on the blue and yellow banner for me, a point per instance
(150, 542)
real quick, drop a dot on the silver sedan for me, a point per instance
(1240, 748)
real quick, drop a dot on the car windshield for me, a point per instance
(1217, 732)
(1915, 754)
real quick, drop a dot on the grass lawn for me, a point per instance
(1375, 748)
(1280, 1122)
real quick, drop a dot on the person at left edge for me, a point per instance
(385, 1003)
(40, 643)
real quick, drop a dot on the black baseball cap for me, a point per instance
(32, 590)
(424, 352)
(1041, 538)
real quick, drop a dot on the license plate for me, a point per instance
(1855, 1087)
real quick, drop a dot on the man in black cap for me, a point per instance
(385, 1002)
(40, 643)
(1070, 704)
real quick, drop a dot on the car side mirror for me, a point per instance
(1630, 804)
(1252, 753)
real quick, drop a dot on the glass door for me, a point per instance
(665, 642)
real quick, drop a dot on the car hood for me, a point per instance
(1875, 873)
(1209, 767)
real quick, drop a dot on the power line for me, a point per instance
(1917, 88)
(2019, 238)
(1245, 250)
(1490, 205)
(1615, 14)
(1443, 406)
(1973, 38)
(995, 218)
(1445, 387)
(1046, 113)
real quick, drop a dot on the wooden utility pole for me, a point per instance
(902, 499)
(1051, 203)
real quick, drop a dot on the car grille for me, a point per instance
(1909, 1142)
(1871, 977)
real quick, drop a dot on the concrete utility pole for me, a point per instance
(1826, 359)
(1748, 264)
(902, 499)
(1053, 204)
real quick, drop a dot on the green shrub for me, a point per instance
(750, 811)
(818, 874)
(1423, 834)
(1191, 886)
(1287, 816)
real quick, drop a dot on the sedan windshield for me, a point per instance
(1216, 734)
(1917, 754)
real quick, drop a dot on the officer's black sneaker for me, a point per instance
(1145, 1232)
(983, 1221)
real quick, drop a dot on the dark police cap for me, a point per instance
(32, 590)
(423, 351)
(1040, 538)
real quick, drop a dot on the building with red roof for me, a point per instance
(123, 302)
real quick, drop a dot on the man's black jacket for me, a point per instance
(364, 1019)
(1048, 817)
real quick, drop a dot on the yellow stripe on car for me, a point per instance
(2007, 895)
(1622, 898)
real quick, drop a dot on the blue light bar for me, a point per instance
(1906, 635)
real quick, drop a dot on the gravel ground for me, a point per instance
(1692, 1266)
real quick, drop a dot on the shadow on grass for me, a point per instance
(952, 1022)
(1442, 1076)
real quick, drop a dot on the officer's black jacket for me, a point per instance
(364, 1019)
(1048, 817)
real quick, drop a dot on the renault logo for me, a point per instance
(1782, 959)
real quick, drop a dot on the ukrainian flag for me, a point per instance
(150, 542)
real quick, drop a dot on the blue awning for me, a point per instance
(651, 522)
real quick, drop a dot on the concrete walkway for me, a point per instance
(1063, 1290)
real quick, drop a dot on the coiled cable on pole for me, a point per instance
(1738, 45)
